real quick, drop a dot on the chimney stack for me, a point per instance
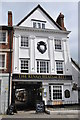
(9, 18)
(60, 21)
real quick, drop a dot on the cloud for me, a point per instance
(69, 9)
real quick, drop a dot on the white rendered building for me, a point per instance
(41, 59)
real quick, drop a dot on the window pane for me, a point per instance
(2, 61)
(37, 67)
(57, 92)
(34, 24)
(50, 92)
(24, 66)
(24, 41)
(43, 26)
(59, 67)
(57, 44)
(42, 67)
(2, 36)
(39, 25)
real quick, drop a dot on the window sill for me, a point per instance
(24, 47)
(43, 73)
(3, 68)
(58, 50)
(3, 42)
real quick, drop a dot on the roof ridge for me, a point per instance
(39, 6)
(76, 64)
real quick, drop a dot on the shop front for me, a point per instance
(29, 88)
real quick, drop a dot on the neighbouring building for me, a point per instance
(41, 59)
(6, 43)
(76, 77)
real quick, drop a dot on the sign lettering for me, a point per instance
(41, 77)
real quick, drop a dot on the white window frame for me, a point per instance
(46, 65)
(1, 31)
(28, 42)
(42, 25)
(28, 65)
(62, 65)
(52, 92)
(59, 39)
(5, 60)
(37, 22)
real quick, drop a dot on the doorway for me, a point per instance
(25, 94)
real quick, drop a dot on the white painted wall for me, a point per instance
(75, 73)
(4, 78)
(33, 54)
(38, 15)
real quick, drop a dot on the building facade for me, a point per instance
(76, 77)
(41, 59)
(6, 40)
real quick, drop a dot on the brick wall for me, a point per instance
(8, 47)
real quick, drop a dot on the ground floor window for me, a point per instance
(24, 66)
(55, 92)
(42, 66)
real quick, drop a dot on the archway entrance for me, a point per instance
(25, 94)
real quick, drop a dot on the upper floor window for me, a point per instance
(43, 26)
(38, 25)
(42, 66)
(57, 44)
(24, 41)
(2, 61)
(59, 67)
(25, 66)
(34, 24)
(2, 37)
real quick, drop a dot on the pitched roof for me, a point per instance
(76, 64)
(38, 6)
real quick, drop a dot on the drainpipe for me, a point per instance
(10, 39)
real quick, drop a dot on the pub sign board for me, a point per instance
(41, 77)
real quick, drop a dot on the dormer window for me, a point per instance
(34, 24)
(43, 26)
(38, 24)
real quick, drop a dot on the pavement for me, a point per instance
(60, 114)
(57, 113)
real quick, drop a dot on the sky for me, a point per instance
(69, 9)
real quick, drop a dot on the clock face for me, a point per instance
(41, 46)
